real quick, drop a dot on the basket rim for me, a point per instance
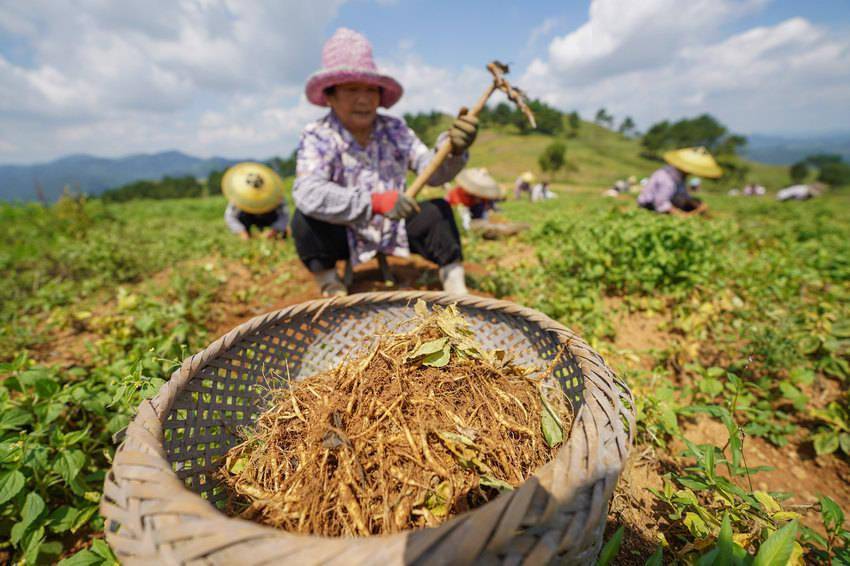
(143, 495)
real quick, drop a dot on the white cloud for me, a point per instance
(227, 76)
(622, 36)
(97, 68)
(427, 87)
(636, 59)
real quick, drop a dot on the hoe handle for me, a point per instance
(515, 95)
(446, 147)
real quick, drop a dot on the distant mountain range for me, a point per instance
(782, 150)
(93, 175)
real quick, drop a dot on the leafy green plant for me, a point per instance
(611, 549)
(836, 544)
(835, 436)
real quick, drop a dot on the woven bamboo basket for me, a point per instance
(161, 500)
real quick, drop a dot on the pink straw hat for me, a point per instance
(347, 58)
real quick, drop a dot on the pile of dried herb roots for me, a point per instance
(426, 425)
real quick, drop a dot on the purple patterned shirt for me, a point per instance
(336, 176)
(661, 187)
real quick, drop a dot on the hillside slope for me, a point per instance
(596, 157)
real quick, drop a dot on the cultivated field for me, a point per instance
(732, 331)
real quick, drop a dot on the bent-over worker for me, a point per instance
(474, 195)
(255, 199)
(666, 190)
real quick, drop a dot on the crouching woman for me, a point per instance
(351, 174)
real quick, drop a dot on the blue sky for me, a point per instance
(222, 77)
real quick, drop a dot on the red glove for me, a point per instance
(382, 203)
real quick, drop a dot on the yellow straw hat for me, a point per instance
(528, 177)
(478, 182)
(252, 187)
(694, 160)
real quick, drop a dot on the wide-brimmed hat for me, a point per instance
(347, 58)
(479, 183)
(252, 187)
(694, 160)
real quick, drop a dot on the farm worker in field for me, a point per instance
(351, 174)
(666, 190)
(475, 195)
(799, 192)
(541, 191)
(523, 184)
(754, 190)
(255, 199)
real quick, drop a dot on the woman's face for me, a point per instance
(356, 105)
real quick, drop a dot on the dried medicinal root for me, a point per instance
(426, 425)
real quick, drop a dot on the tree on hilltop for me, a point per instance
(820, 160)
(503, 113)
(798, 172)
(830, 167)
(422, 124)
(603, 118)
(627, 126)
(575, 123)
(549, 120)
(835, 174)
(553, 158)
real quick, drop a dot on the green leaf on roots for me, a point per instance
(429, 347)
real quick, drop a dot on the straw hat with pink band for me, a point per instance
(347, 58)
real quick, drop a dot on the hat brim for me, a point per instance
(481, 190)
(709, 170)
(249, 199)
(391, 90)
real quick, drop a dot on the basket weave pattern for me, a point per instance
(161, 498)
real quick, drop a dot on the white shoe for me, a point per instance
(329, 283)
(453, 278)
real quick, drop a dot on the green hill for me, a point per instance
(596, 157)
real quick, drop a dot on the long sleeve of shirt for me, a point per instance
(282, 222)
(315, 192)
(231, 218)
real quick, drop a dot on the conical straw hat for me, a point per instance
(528, 177)
(252, 187)
(478, 182)
(694, 160)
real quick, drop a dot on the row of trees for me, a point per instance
(703, 130)
(165, 188)
(550, 121)
(830, 168)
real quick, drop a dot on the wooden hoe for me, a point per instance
(515, 95)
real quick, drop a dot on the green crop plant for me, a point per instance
(833, 432)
